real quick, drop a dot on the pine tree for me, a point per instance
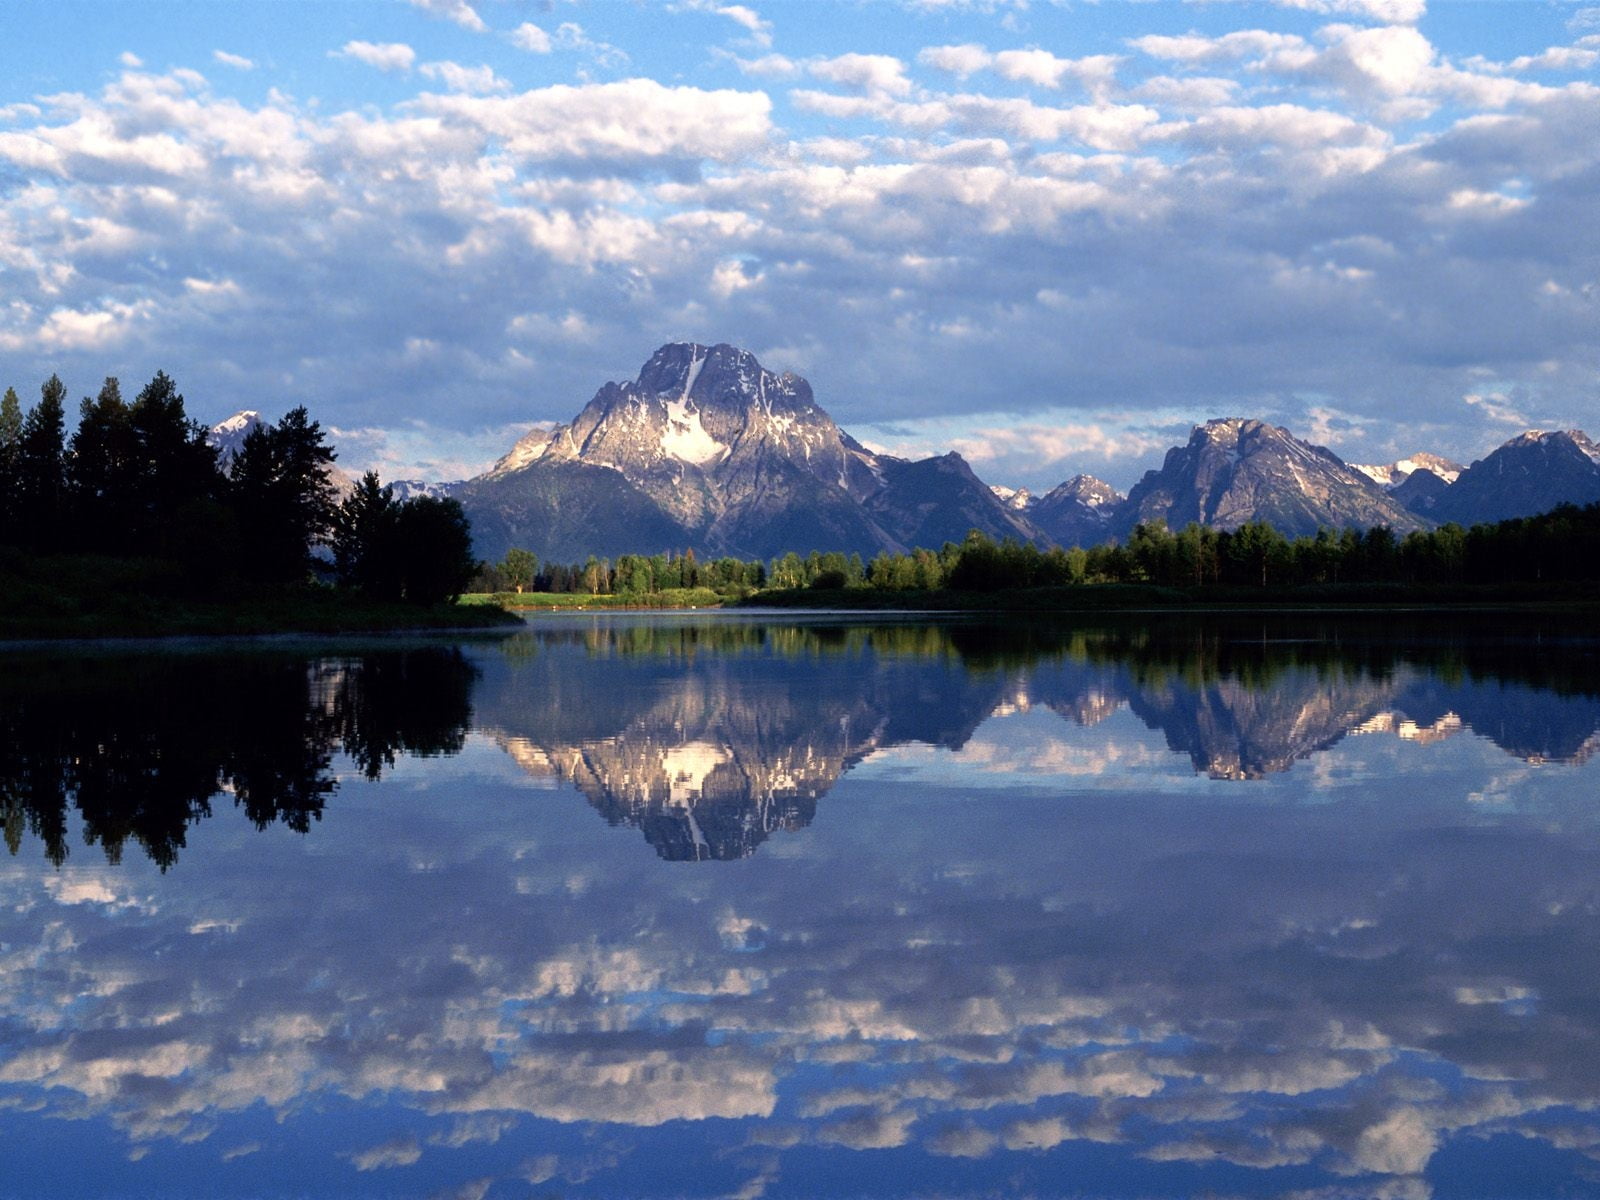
(101, 472)
(283, 497)
(10, 452)
(41, 469)
(177, 465)
(365, 539)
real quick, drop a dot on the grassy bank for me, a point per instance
(82, 596)
(1116, 597)
(556, 601)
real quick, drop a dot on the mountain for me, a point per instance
(1234, 471)
(707, 450)
(228, 437)
(1077, 512)
(1528, 475)
(1016, 499)
(1420, 491)
(410, 489)
(1393, 475)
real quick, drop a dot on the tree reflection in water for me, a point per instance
(142, 747)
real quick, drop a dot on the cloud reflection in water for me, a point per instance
(1349, 976)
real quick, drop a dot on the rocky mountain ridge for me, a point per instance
(1234, 471)
(708, 451)
(1530, 474)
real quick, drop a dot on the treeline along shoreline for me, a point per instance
(133, 524)
(1551, 557)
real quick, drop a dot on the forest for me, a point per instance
(136, 497)
(1558, 547)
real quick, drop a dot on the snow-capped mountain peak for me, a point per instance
(1392, 475)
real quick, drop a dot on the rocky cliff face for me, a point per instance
(1528, 475)
(1235, 471)
(708, 450)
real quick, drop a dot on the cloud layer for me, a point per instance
(1315, 210)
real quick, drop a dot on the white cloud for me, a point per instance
(1389, 12)
(633, 119)
(742, 15)
(874, 74)
(477, 81)
(458, 11)
(768, 66)
(571, 36)
(1046, 70)
(401, 1152)
(960, 61)
(386, 56)
(1390, 60)
(531, 38)
(1253, 44)
(237, 61)
(1558, 58)
(1400, 1144)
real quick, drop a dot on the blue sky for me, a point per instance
(1049, 235)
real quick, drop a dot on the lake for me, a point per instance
(725, 905)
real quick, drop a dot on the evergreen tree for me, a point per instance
(102, 472)
(41, 469)
(366, 550)
(10, 453)
(177, 465)
(434, 543)
(283, 496)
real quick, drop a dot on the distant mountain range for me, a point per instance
(707, 450)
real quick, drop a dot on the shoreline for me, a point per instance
(1139, 598)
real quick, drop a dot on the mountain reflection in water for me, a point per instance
(711, 737)
(1037, 939)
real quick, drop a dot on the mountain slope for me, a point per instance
(1077, 512)
(938, 500)
(707, 450)
(1234, 471)
(1526, 476)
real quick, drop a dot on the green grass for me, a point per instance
(1114, 597)
(86, 596)
(671, 598)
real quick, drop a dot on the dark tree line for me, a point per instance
(1559, 546)
(627, 575)
(140, 479)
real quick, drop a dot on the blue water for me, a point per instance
(700, 906)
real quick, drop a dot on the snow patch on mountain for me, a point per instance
(1016, 499)
(240, 422)
(1392, 475)
(685, 436)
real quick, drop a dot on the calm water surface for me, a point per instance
(728, 906)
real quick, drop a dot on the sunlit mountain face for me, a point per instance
(1245, 906)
